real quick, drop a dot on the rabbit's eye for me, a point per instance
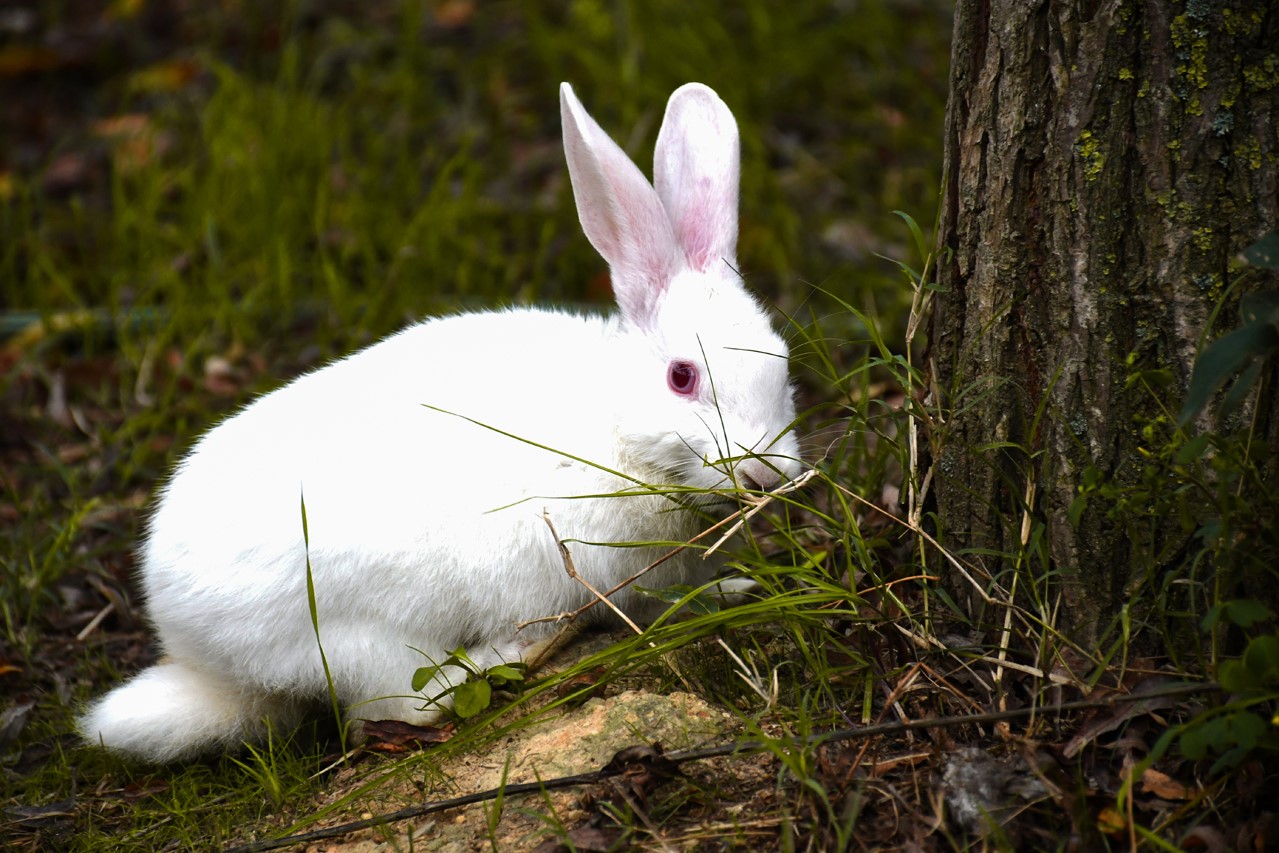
(681, 376)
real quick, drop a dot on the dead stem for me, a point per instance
(571, 570)
(740, 516)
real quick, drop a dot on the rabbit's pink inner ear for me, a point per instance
(620, 213)
(696, 170)
(707, 227)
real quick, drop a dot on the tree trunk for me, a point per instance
(1105, 163)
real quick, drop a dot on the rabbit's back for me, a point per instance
(420, 522)
(439, 420)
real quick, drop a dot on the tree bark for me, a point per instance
(1105, 162)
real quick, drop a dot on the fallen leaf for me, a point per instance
(394, 737)
(146, 788)
(643, 768)
(581, 681)
(1111, 822)
(133, 139)
(1116, 718)
(34, 817)
(13, 720)
(1163, 785)
(1206, 838)
(221, 377)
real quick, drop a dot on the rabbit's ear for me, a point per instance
(620, 213)
(695, 170)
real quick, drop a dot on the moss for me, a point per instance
(1233, 88)
(1202, 238)
(1089, 150)
(1190, 38)
(1248, 150)
(1263, 76)
(1236, 24)
(1125, 74)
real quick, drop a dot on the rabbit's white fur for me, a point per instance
(426, 461)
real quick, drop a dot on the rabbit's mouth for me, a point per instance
(720, 499)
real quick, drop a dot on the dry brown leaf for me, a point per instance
(394, 737)
(643, 769)
(580, 681)
(148, 787)
(1163, 785)
(1111, 821)
(1206, 838)
(1107, 723)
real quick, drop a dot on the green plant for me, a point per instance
(1215, 583)
(1239, 354)
(1249, 722)
(263, 765)
(1215, 486)
(493, 812)
(475, 693)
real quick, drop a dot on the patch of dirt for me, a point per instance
(579, 741)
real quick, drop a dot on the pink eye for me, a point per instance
(681, 376)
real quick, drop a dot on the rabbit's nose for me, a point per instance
(755, 475)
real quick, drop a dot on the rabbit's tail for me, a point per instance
(171, 711)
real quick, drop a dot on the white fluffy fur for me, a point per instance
(424, 520)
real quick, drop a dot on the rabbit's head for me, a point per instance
(709, 402)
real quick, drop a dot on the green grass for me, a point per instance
(326, 178)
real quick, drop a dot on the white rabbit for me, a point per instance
(425, 462)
